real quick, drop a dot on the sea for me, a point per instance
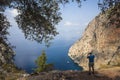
(27, 51)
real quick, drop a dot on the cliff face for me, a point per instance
(103, 38)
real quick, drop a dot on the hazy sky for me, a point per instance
(75, 20)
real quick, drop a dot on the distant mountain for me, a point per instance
(102, 36)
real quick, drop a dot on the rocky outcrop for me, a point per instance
(104, 74)
(103, 38)
(8, 70)
(6, 53)
(6, 57)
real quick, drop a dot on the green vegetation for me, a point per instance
(4, 25)
(37, 18)
(41, 63)
(10, 72)
(113, 15)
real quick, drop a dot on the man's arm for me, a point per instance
(88, 55)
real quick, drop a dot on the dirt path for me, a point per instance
(104, 74)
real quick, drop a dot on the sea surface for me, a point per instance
(27, 51)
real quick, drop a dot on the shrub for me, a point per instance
(41, 63)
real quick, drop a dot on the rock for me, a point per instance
(6, 59)
(105, 74)
(6, 53)
(26, 75)
(99, 75)
(103, 39)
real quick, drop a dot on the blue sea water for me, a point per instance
(27, 52)
(57, 54)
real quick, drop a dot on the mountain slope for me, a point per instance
(102, 36)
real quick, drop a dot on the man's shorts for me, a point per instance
(91, 64)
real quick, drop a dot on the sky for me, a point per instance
(75, 20)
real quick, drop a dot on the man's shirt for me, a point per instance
(91, 58)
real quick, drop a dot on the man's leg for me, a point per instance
(89, 70)
(93, 68)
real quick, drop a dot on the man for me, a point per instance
(91, 57)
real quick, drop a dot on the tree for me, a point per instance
(112, 10)
(4, 25)
(37, 18)
(106, 4)
(41, 63)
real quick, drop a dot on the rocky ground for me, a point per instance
(104, 74)
(112, 73)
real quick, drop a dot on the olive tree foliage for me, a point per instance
(112, 9)
(4, 4)
(37, 18)
(106, 4)
(4, 25)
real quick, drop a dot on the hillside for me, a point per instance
(8, 70)
(102, 36)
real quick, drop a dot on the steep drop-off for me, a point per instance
(102, 36)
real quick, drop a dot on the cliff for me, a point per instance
(102, 36)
